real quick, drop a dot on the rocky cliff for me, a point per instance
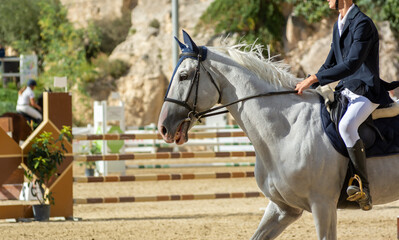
(80, 12)
(149, 51)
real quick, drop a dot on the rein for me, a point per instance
(193, 114)
(207, 113)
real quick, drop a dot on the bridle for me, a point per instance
(200, 56)
(193, 113)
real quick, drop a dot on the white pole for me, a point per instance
(104, 130)
(175, 22)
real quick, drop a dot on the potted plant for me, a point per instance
(44, 158)
(90, 166)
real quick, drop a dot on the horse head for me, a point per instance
(40, 97)
(191, 90)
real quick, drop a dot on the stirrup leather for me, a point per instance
(358, 195)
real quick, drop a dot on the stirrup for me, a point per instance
(360, 194)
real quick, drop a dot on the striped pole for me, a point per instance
(166, 145)
(192, 165)
(163, 177)
(155, 136)
(195, 128)
(168, 197)
(161, 155)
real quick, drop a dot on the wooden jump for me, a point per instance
(161, 155)
(57, 111)
(167, 198)
(162, 177)
(198, 135)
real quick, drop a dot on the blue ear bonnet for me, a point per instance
(189, 50)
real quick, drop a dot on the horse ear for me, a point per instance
(189, 42)
(182, 45)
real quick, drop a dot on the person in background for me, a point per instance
(2, 51)
(26, 102)
(2, 55)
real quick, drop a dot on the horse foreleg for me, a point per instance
(325, 218)
(275, 220)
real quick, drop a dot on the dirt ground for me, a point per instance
(198, 219)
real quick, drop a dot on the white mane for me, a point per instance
(277, 73)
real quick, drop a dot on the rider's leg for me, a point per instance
(359, 108)
(35, 114)
(358, 157)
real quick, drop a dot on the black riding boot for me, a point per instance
(357, 155)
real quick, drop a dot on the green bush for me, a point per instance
(155, 23)
(113, 32)
(106, 67)
(7, 94)
(312, 11)
(382, 10)
(378, 10)
(7, 107)
(8, 100)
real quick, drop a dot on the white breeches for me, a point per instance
(30, 111)
(359, 109)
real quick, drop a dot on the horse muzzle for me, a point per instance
(180, 136)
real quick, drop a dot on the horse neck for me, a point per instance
(236, 82)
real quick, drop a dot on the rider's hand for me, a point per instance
(305, 84)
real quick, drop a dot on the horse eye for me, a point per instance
(183, 76)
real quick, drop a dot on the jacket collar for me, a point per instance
(351, 15)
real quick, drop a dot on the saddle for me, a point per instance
(380, 132)
(28, 118)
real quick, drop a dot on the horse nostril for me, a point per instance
(164, 130)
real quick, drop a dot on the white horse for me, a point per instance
(296, 167)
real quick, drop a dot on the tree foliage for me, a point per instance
(378, 10)
(42, 27)
(65, 47)
(263, 19)
(19, 25)
(312, 10)
(383, 10)
(252, 19)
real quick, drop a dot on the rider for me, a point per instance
(354, 61)
(26, 101)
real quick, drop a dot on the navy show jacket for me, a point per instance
(354, 59)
